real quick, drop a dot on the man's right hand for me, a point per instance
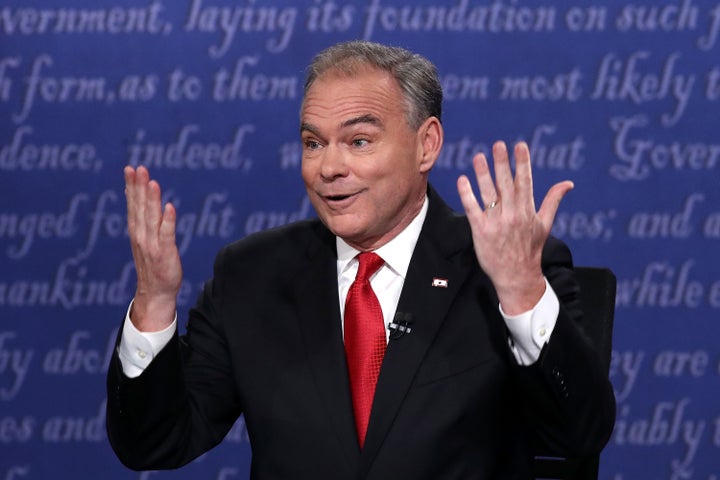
(157, 261)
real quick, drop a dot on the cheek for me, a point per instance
(385, 200)
(306, 171)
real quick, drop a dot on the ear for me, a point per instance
(430, 137)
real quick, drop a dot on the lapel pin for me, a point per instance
(440, 282)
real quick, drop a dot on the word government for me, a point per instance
(184, 154)
(115, 20)
(640, 155)
(499, 17)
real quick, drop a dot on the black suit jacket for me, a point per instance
(451, 402)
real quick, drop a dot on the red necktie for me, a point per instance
(364, 340)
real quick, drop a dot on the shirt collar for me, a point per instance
(396, 253)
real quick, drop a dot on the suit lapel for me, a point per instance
(319, 316)
(435, 257)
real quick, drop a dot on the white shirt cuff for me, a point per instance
(531, 330)
(137, 349)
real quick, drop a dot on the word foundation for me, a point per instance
(496, 18)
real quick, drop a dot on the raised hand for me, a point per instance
(508, 233)
(157, 261)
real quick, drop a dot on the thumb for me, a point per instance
(551, 202)
(167, 226)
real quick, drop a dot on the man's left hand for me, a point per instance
(508, 233)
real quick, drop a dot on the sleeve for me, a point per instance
(566, 393)
(183, 403)
(531, 330)
(137, 349)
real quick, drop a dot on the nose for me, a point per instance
(334, 163)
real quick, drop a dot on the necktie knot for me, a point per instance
(370, 263)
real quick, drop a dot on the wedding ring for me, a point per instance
(492, 205)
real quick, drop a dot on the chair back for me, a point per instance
(597, 300)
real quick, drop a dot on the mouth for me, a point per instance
(341, 200)
(337, 198)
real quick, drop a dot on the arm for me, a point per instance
(567, 398)
(138, 418)
(156, 419)
(566, 395)
(183, 403)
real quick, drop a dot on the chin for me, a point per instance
(341, 229)
(346, 228)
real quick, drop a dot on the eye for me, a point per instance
(360, 142)
(312, 144)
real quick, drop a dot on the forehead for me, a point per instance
(337, 96)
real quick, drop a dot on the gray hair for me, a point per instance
(415, 74)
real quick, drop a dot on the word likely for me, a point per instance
(630, 80)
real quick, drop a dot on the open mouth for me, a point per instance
(337, 198)
(340, 200)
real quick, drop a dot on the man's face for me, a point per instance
(365, 170)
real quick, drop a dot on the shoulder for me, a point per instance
(281, 245)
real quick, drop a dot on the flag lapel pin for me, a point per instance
(440, 282)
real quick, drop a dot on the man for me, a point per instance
(479, 356)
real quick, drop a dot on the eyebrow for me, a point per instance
(304, 126)
(367, 118)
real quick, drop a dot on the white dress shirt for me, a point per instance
(529, 331)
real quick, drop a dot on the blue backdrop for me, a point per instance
(621, 97)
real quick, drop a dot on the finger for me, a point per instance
(142, 177)
(167, 227)
(551, 203)
(129, 174)
(468, 200)
(485, 181)
(503, 174)
(154, 210)
(523, 177)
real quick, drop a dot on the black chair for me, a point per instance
(597, 297)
